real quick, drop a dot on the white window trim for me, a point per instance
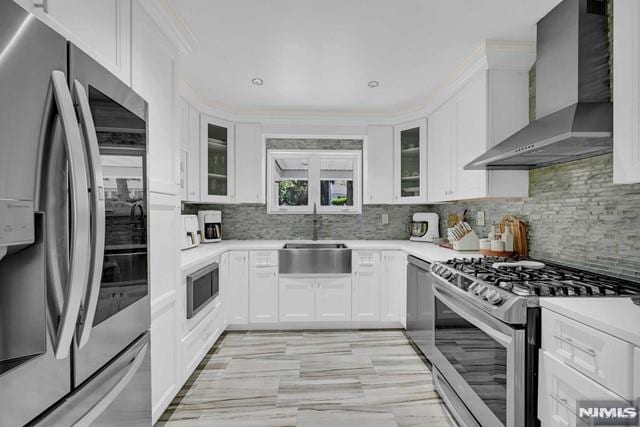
(314, 157)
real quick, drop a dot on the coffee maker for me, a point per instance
(424, 227)
(210, 225)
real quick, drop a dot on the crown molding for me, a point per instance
(517, 56)
(171, 23)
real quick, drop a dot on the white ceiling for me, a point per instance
(316, 56)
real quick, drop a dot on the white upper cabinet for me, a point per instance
(489, 107)
(217, 160)
(101, 28)
(250, 163)
(626, 91)
(378, 165)
(410, 162)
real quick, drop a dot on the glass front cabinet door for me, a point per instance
(410, 162)
(217, 160)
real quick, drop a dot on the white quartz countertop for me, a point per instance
(192, 259)
(617, 316)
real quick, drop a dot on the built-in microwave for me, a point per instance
(203, 287)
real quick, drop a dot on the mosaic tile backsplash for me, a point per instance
(253, 222)
(575, 215)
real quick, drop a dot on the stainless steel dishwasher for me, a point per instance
(420, 305)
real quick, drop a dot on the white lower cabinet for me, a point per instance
(199, 340)
(393, 286)
(305, 299)
(333, 299)
(559, 390)
(263, 295)
(238, 288)
(365, 293)
(296, 299)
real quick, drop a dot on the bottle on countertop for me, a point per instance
(492, 233)
(507, 237)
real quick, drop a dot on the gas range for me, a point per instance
(505, 290)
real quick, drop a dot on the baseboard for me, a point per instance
(287, 326)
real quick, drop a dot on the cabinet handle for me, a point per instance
(44, 6)
(564, 403)
(569, 341)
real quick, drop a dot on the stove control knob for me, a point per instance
(479, 289)
(472, 287)
(489, 293)
(494, 298)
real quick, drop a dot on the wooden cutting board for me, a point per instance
(519, 231)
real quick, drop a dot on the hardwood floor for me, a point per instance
(309, 379)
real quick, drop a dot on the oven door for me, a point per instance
(481, 358)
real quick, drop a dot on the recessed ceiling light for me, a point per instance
(373, 83)
(257, 81)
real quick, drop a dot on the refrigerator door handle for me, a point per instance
(80, 218)
(88, 129)
(114, 391)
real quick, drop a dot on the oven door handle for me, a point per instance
(502, 338)
(98, 219)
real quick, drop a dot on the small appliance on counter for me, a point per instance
(424, 227)
(191, 236)
(210, 225)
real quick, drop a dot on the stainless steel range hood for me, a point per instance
(575, 115)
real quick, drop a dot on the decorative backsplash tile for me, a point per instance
(253, 222)
(575, 215)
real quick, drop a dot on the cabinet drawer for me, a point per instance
(364, 260)
(598, 355)
(560, 388)
(200, 339)
(263, 258)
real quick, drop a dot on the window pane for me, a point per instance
(292, 181)
(336, 181)
(336, 192)
(293, 193)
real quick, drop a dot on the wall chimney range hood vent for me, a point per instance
(575, 115)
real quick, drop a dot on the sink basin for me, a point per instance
(315, 246)
(314, 258)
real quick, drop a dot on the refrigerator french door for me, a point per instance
(74, 305)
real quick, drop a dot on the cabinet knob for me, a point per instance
(44, 6)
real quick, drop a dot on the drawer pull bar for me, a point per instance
(569, 341)
(564, 403)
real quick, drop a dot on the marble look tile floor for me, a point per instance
(309, 379)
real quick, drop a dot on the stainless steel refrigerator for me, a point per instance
(74, 289)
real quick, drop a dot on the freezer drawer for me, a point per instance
(118, 395)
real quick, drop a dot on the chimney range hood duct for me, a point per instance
(572, 93)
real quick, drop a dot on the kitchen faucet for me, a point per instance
(315, 223)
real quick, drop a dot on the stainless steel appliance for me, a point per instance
(574, 113)
(203, 287)
(74, 304)
(210, 225)
(425, 227)
(420, 305)
(487, 333)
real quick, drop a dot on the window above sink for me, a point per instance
(329, 179)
